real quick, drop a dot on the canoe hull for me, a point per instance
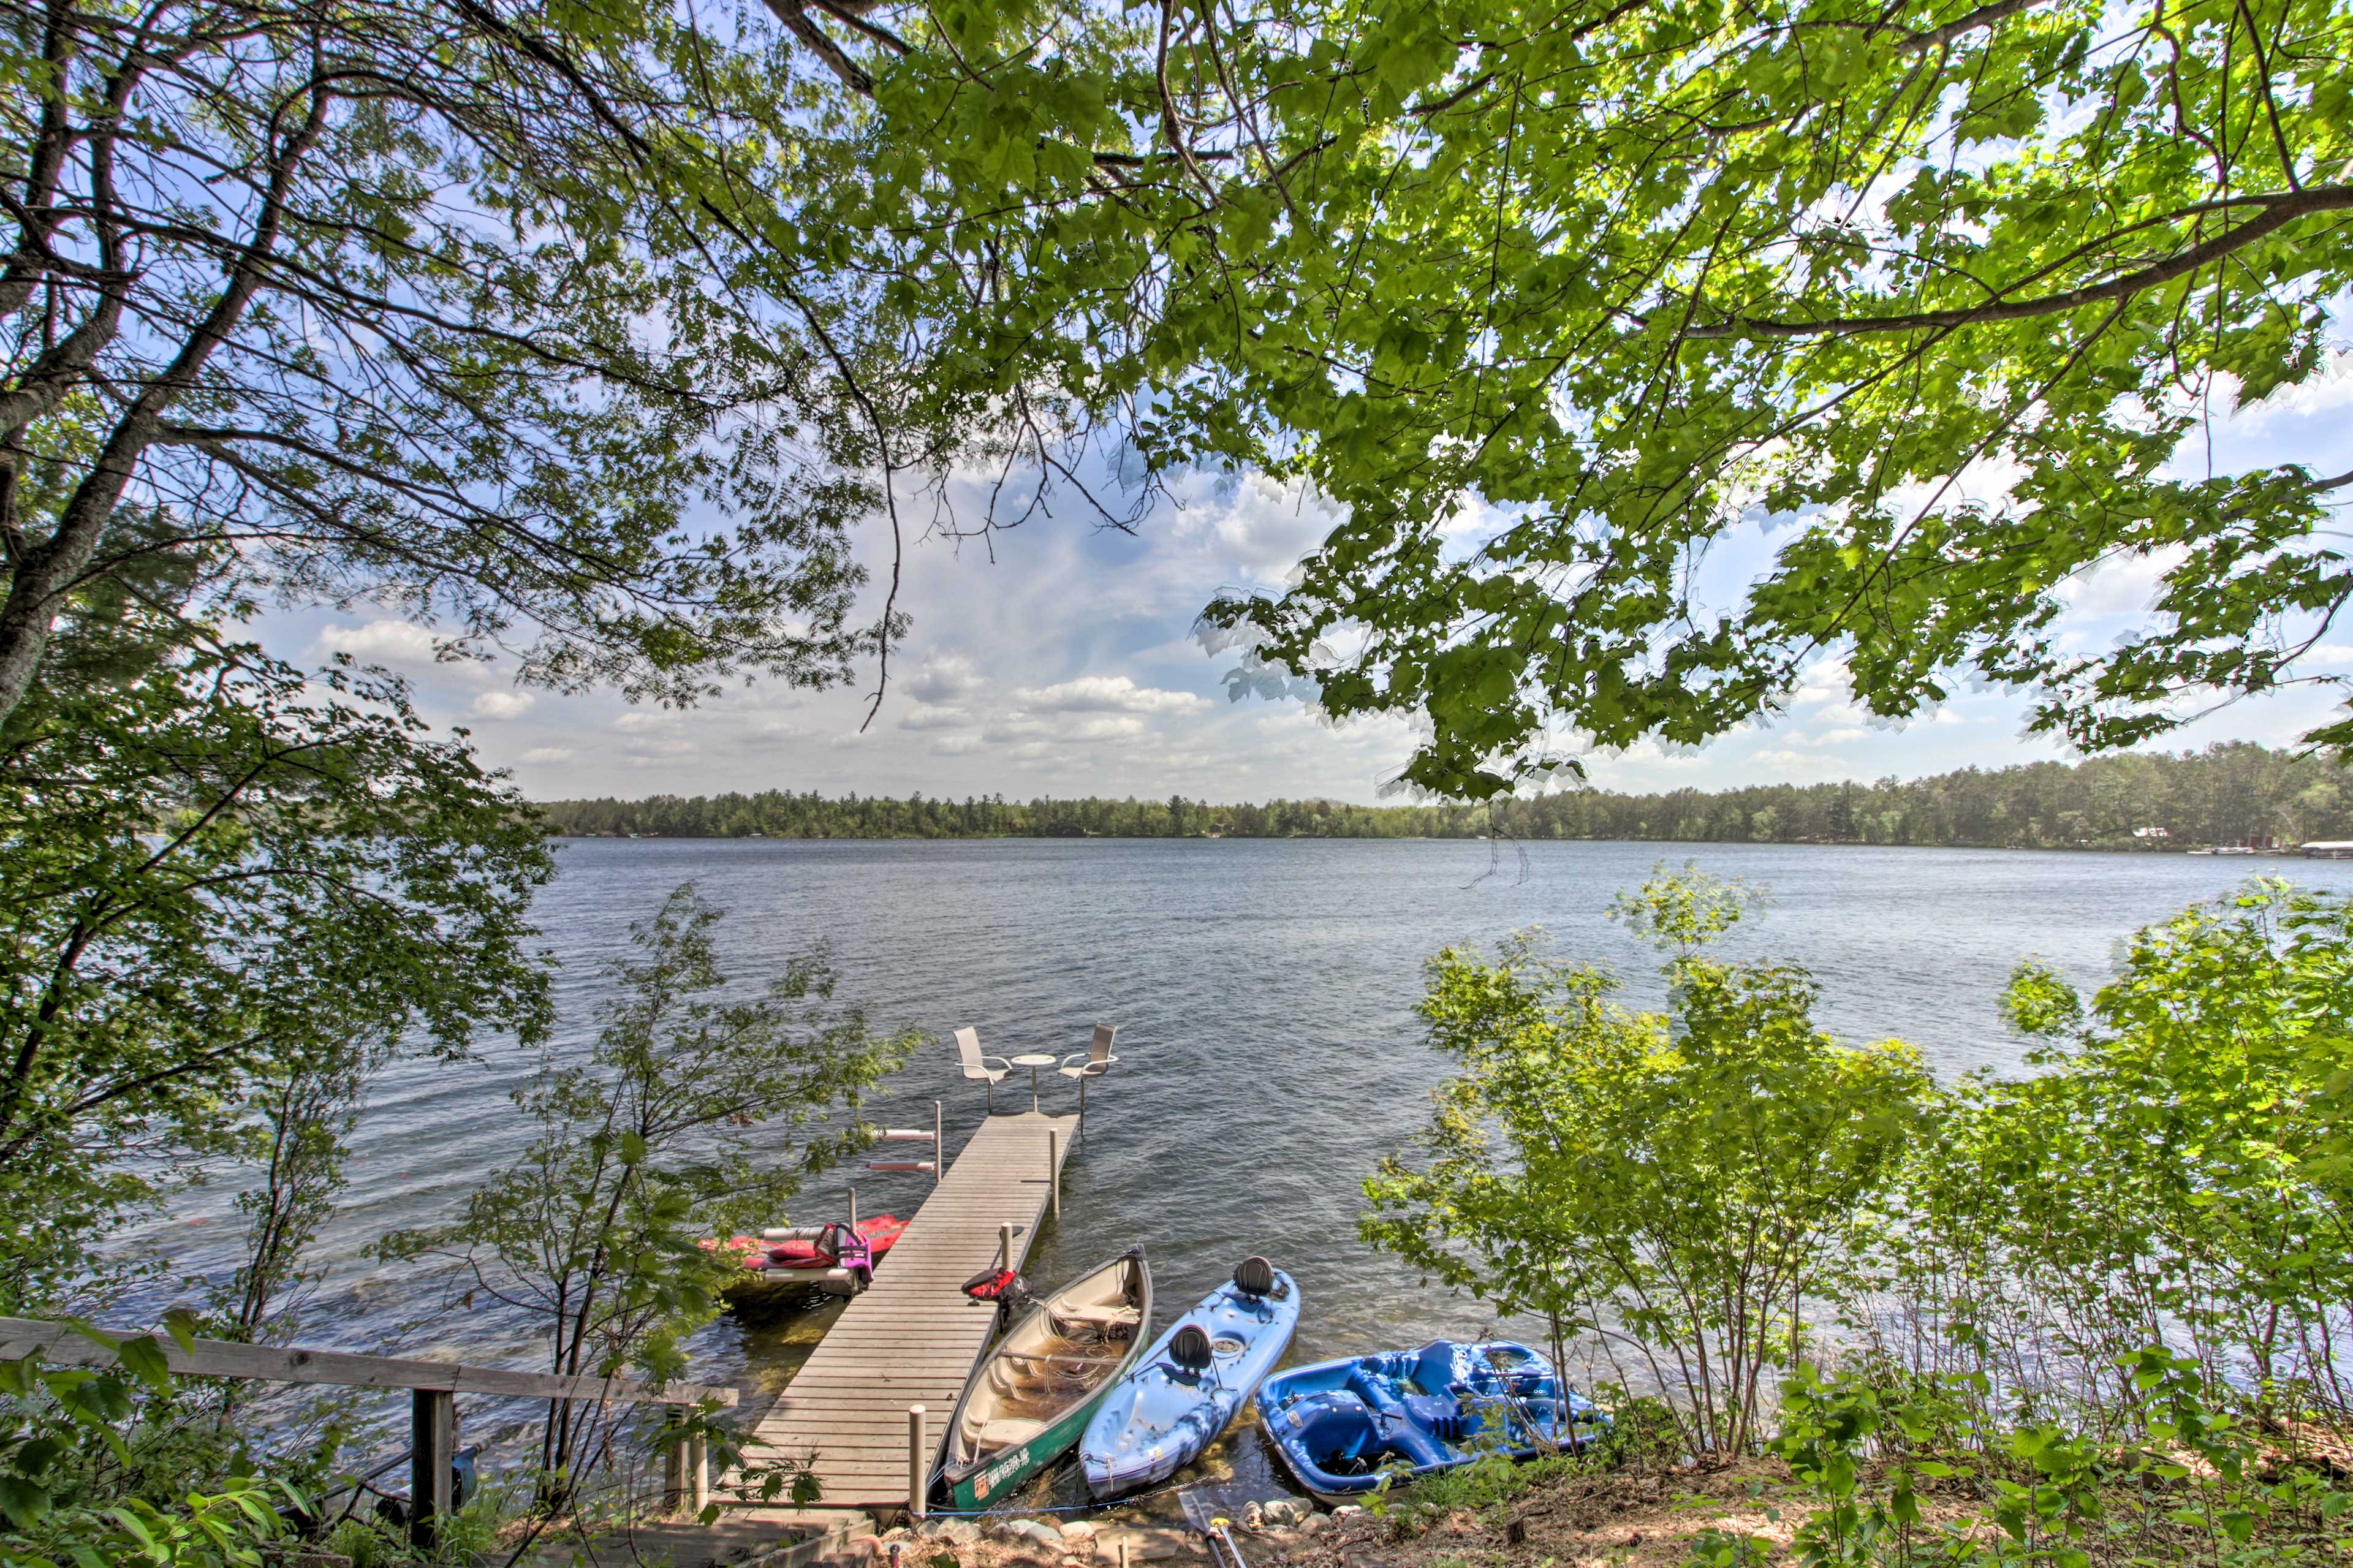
(1344, 1427)
(1159, 1418)
(967, 1481)
(1006, 1472)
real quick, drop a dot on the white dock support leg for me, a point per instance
(698, 1473)
(1005, 1245)
(1054, 1172)
(853, 1211)
(918, 1482)
(939, 1145)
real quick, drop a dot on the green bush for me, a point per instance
(1680, 1185)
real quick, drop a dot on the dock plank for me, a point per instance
(914, 1338)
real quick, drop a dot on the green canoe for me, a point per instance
(1033, 1394)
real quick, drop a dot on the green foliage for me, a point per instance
(1487, 1486)
(1681, 911)
(1645, 1432)
(2203, 1487)
(462, 1539)
(472, 320)
(1678, 1185)
(1924, 300)
(2172, 1169)
(694, 1115)
(225, 875)
(70, 1491)
(306, 1110)
(2225, 794)
(2113, 1299)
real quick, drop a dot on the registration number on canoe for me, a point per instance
(997, 1472)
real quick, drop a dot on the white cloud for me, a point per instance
(2125, 586)
(774, 732)
(2330, 388)
(1824, 680)
(944, 678)
(1106, 730)
(658, 751)
(954, 745)
(1258, 524)
(1109, 694)
(640, 720)
(1033, 732)
(500, 705)
(548, 754)
(377, 639)
(934, 719)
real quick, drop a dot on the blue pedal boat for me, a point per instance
(1192, 1381)
(1342, 1426)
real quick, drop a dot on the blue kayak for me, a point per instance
(1341, 1426)
(1160, 1417)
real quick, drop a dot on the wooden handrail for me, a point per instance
(60, 1344)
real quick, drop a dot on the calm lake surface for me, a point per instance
(1269, 1052)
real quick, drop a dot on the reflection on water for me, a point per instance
(786, 1338)
(1269, 1054)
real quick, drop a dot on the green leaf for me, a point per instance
(24, 1503)
(143, 1359)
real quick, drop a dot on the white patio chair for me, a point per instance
(1092, 1062)
(976, 1066)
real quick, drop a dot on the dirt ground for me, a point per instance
(1590, 1522)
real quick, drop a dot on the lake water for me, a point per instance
(1264, 991)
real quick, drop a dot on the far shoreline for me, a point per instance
(2199, 852)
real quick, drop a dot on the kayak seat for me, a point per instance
(1190, 1351)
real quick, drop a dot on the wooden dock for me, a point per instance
(912, 1338)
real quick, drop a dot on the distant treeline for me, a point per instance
(2225, 794)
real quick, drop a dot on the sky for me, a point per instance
(1064, 661)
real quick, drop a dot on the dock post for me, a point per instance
(918, 1482)
(939, 1146)
(674, 1461)
(1005, 1245)
(853, 1211)
(698, 1475)
(432, 1452)
(1054, 1172)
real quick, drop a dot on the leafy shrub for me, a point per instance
(1678, 1185)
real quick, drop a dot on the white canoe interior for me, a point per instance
(1057, 1357)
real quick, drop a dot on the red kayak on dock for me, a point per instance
(789, 1259)
(880, 1233)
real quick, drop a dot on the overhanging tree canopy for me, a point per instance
(445, 307)
(1939, 289)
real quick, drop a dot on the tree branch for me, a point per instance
(2280, 210)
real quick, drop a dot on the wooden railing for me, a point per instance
(434, 1386)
